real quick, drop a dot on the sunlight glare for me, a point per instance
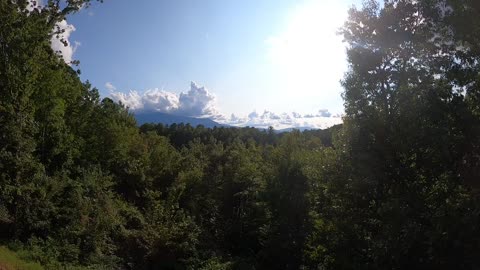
(308, 55)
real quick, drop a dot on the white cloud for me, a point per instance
(323, 113)
(160, 100)
(132, 100)
(253, 114)
(75, 46)
(110, 86)
(234, 119)
(269, 116)
(60, 43)
(58, 46)
(197, 102)
(296, 115)
(33, 4)
(285, 120)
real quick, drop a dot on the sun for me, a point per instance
(309, 51)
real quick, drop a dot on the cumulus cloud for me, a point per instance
(110, 86)
(252, 115)
(324, 113)
(132, 99)
(296, 115)
(234, 120)
(197, 102)
(60, 42)
(200, 102)
(269, 116)
(160, 101)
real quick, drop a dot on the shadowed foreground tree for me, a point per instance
(409, 145)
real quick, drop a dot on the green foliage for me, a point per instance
(404, 144)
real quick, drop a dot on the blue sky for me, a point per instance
(277, 55)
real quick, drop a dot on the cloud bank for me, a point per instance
(197, 102)
(200, 102)
(322, 120)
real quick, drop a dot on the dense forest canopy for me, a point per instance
(395, 187)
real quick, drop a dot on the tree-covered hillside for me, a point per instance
(394, 187)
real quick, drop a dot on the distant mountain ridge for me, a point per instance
(168, 119)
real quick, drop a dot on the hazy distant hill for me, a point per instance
(294, 128)
(168, 119)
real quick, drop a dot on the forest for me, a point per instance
(396, 186)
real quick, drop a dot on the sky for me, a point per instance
(250, 62)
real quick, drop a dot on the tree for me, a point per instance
(407, 131)
(286, 196)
